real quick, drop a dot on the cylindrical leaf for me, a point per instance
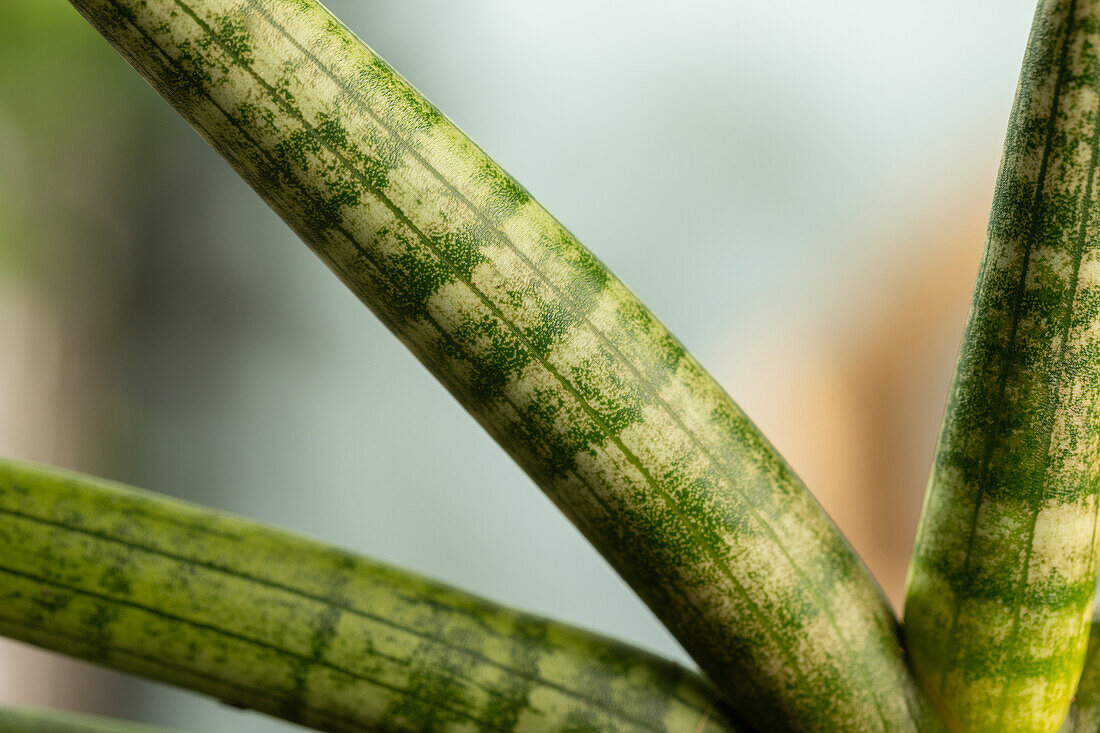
(626, 432)
(264, 619)
(1000, 589)
(28, 720)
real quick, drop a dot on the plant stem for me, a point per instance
(1000, 590)
(264, 619)
(32, 720)
(562, 364)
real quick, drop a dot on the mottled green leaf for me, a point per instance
(1000, 588)
(263, 619)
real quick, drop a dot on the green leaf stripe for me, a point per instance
(1000, 590)
(590, 394)
(29, 720)
(264, 619)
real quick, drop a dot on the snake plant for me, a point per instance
(999, 598)
(619, 425)
(263, 619)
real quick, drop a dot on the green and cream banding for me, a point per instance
(264, 619)
(1000, 589)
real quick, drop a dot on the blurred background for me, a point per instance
(799, 190)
